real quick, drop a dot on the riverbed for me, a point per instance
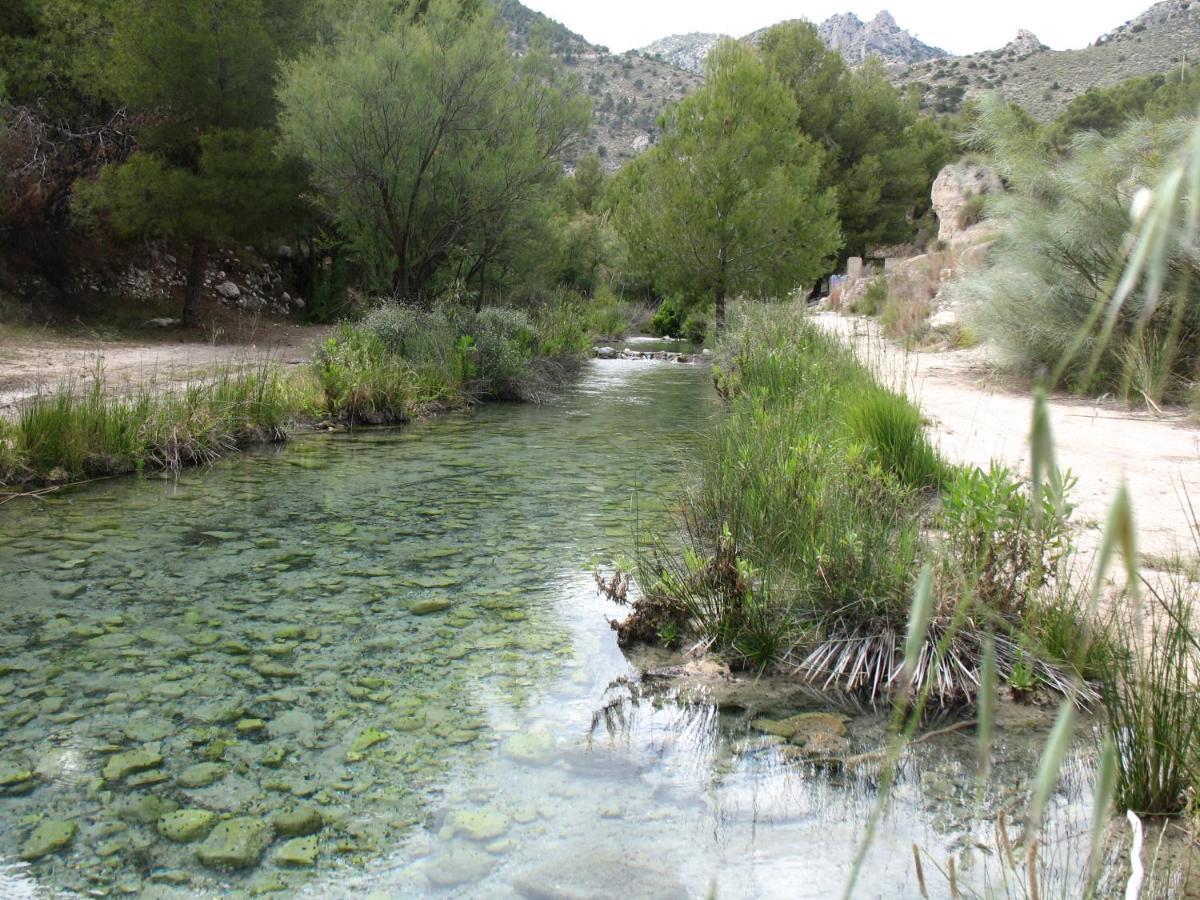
(377, 664)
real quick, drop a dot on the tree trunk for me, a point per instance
(482, 285)
(720, 292)
(195, 282)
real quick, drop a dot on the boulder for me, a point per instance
(229, 290)
(953, 190)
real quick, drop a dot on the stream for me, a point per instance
(376, 664)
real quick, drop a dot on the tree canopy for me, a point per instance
(730, 201)
(881, 153)
(427, 140)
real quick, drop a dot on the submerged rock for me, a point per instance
(49, 837)
(592, 875)
(364, 742)
(303, 820)
(799, 729)
(236, 843)
(186, 825)
(15, 780)
(144, 809)
(298, 852)
(460, 865)
(429, 607)
(120, 765)
(485, 824)
(201, 775)
(532, 747)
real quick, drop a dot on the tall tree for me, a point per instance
(881, 154)
(202, 74)
(730, 200)
(428, 141)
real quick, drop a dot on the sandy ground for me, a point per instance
(977, 418)
(32, 360)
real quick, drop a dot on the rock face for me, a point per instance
(882, 37)
(953, 192)
(684, 51)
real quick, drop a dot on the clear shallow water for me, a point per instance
(258, 619)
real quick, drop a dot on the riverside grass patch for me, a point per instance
(397, 364)
(818, 498)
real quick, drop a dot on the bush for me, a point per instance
(362, 381)
(873, 299)
(695, 328)
(1063, 227)
(504, 342)
(668, 321)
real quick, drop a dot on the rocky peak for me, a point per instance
(880, 37)
(1024, 43)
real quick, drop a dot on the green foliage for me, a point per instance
(362, 382)
(695, 328)
(891, 429)
(200, 75)
(668, 319)
(793, 528)
(1064, 226)
(1005, 542)
(882, 154)
(429, 142)
(873, 299)
(729, 202)
(1158, 98)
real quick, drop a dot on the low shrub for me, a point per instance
(695, 328)
(363, 382)
(873, 299)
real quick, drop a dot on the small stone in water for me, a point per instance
(122, 764)
(365, 741)
(49, 837)
(201, 775)
(480, 824)
(429, 607)
(274, 756)
(236, 843)
(297, 852)
(186, 825)
(298, 822)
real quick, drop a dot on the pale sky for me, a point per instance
(967, 26)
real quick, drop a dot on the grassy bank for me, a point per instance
(396, 364)
(817, 501)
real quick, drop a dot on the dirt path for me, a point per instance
(977, 419)
(33, 361)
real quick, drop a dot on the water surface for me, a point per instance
(263, 619)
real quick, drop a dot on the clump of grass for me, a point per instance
(1152, 702)
(890, 426)
(91, 433)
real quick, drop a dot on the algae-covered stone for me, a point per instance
(15, 779)
(120, 765)
(532, 747)
(303, 820)
(298, 852)
(144, 809)
(803, 725)
(485, 824)
(49, 837)
(429, 607)
(269, 668)
(249, 726)
(201, 775)
(186, 825)
(274, 755)
(236, 843)
(364, 742)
